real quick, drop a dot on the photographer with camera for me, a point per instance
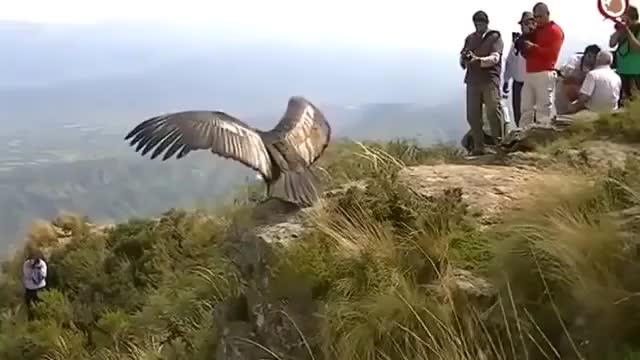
(481, 57)
(541, 51)
(514, 67)
(627, 53)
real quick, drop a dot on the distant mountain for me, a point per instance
(71, 92)
(74, 52)
(112, 189)
(429, 124)
(112, 76)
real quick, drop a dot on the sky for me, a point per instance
(431, 24)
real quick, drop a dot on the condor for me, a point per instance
(282, 156)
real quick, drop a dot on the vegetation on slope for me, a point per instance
(381, 260)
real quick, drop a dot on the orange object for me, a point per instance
(615, 6)
(613, 9)
(572, 91)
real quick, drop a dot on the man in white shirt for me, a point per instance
(515, 66)
(34, 279)
(600, 90)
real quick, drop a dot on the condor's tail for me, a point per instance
(299, 187)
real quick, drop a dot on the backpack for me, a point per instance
(37, 274)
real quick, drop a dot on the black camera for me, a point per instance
(519, 42)
(515, 36)
(466, 55)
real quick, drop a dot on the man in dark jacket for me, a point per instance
(481, 57)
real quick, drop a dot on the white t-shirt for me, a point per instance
(34, 278)
(514, 67)
(572, 65)
(602, 84)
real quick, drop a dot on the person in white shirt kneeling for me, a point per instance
(573, 74)
(600, 90)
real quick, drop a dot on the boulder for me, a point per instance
(257, 324)
(488, 189)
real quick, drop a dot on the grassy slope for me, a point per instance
(381, 260)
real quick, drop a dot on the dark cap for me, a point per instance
(481, 16)
(526, 16)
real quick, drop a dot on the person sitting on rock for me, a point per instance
(572, 74)
(600, 90)
(34, 280)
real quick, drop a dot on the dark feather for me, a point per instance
(304, 129)
(182, 132)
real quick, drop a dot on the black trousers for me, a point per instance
(630, 85)
(30, 298)
(515, 101)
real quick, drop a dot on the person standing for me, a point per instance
(627, 53)
(541, 54)
(514, 67)
(34, 280)
(481, 57)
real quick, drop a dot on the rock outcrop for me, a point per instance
(48, 235)
(258, 320)
(488, 189)
(256, 324)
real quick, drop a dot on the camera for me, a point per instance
(515, 36)
(519, 42)
(466, 55)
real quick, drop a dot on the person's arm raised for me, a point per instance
(549, 45)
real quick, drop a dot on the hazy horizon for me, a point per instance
(166, 31)
(383, 23)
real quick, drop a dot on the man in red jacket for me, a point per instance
(541, 52)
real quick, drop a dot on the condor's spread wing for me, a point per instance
(180, 133)
(305, 129)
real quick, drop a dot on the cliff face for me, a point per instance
(397, 263)
(489, 190)
(490, 186)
